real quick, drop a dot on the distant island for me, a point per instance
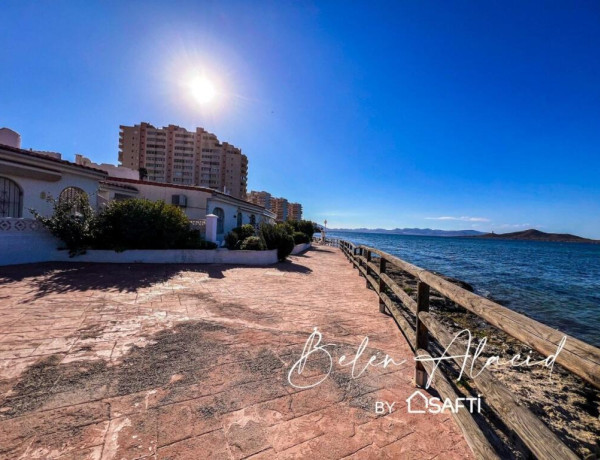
(410, 231)
(537, 235)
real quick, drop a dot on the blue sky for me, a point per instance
(447, 115)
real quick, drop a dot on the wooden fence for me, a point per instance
(577, 357)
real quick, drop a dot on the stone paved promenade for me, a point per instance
(143, 361)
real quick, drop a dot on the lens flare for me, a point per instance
(202, 89)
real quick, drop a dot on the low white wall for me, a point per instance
(24, 241)
(180, 256)
(300, 248)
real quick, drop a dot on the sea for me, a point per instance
(555, 283)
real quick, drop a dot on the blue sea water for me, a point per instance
(555, 283)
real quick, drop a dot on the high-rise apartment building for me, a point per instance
(260, 198)
(280, 207)
(177, 156)
(294, 211)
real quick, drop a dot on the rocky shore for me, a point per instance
(569, 406)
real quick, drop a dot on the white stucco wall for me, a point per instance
(25, 241)
(230, 215)
(300, 248)
(231, 211)
(199, 203)
(183, 256)
(35, 191)
(196, 199)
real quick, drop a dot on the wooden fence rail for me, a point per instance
(576, 356)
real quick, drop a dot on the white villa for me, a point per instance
(28, 179)
(197, 202)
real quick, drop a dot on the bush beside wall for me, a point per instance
(278, 237)
(283, 237)
(305, 226)
(253, 243)
(235, 238)
(72, 222)
(122, 225)
(301, 238)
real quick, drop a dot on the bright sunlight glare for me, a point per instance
(202, 90)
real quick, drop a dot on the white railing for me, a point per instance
(198, 224)
(20, 225)
(333, 242)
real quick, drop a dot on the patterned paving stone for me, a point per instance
(191, 362)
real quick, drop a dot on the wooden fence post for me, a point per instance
(367, 260)
(422, 339)
(361, 253)
(382, 267)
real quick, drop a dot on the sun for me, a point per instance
(202, 90)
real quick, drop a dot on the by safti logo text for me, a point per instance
(421, 403)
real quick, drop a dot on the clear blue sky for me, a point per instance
(372, 114)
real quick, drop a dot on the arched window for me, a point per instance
(239, 218)
(71, 194)
(220, 221)
(253, 220)
(11, 198)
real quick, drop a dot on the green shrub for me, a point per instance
(72, 221)
(301, 238)
(277, 237)
(288, 227)
(193, 240)
(305, 226)
(245, 231)
(235, 237)
(232, 240)
(143, 224)
(129, 224)
(253, 243)
(203, 244)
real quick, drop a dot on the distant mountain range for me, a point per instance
(410, 231)
(526, 235)
(536, 235)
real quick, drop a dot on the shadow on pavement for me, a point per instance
(60, 277)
